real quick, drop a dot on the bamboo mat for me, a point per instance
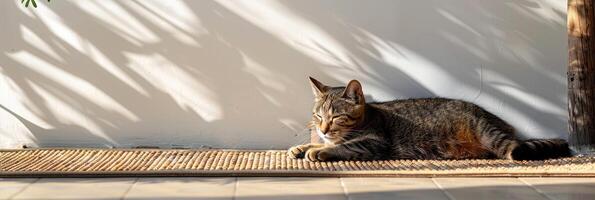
(156, 162)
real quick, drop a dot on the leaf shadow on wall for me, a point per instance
(233, 74)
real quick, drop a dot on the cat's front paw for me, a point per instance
(297, 151)
(317, 155)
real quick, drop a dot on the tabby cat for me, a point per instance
(428, 128)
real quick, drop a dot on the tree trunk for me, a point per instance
(581, 75)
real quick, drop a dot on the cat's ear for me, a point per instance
(317, 87)
(354, 92)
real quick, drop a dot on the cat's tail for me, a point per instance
(540, 149)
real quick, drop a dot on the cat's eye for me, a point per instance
(317, 116)
(342, 116)
(341, 120)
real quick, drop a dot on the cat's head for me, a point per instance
(338, 111)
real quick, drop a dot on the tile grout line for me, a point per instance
(235, 188)
(446, 193)
(345, 192)
(129, 188)
(23, 189)
(536, 190)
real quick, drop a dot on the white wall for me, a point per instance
(233, 74)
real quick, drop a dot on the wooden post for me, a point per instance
(581, 75)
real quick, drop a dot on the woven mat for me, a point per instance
(155, 162)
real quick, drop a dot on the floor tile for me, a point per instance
(289, 188)
(11, 186)
(182, 188)
(564, 188)
(487, 188)
(77, 188)
(392, 188)
(298, 188)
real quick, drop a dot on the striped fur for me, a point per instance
(428, 128)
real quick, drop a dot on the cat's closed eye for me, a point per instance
(340, 120)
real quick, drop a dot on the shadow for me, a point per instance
(490, 53)
(233, 75)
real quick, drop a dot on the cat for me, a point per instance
(425, 128)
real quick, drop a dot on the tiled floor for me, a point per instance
(298, 188)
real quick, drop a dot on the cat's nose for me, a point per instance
(324, 128)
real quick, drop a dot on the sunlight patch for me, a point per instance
(177, 83)
(35, 41)
(118, 18)
(292, 29)
(15, 99)
(72, 82)
(66, 114)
